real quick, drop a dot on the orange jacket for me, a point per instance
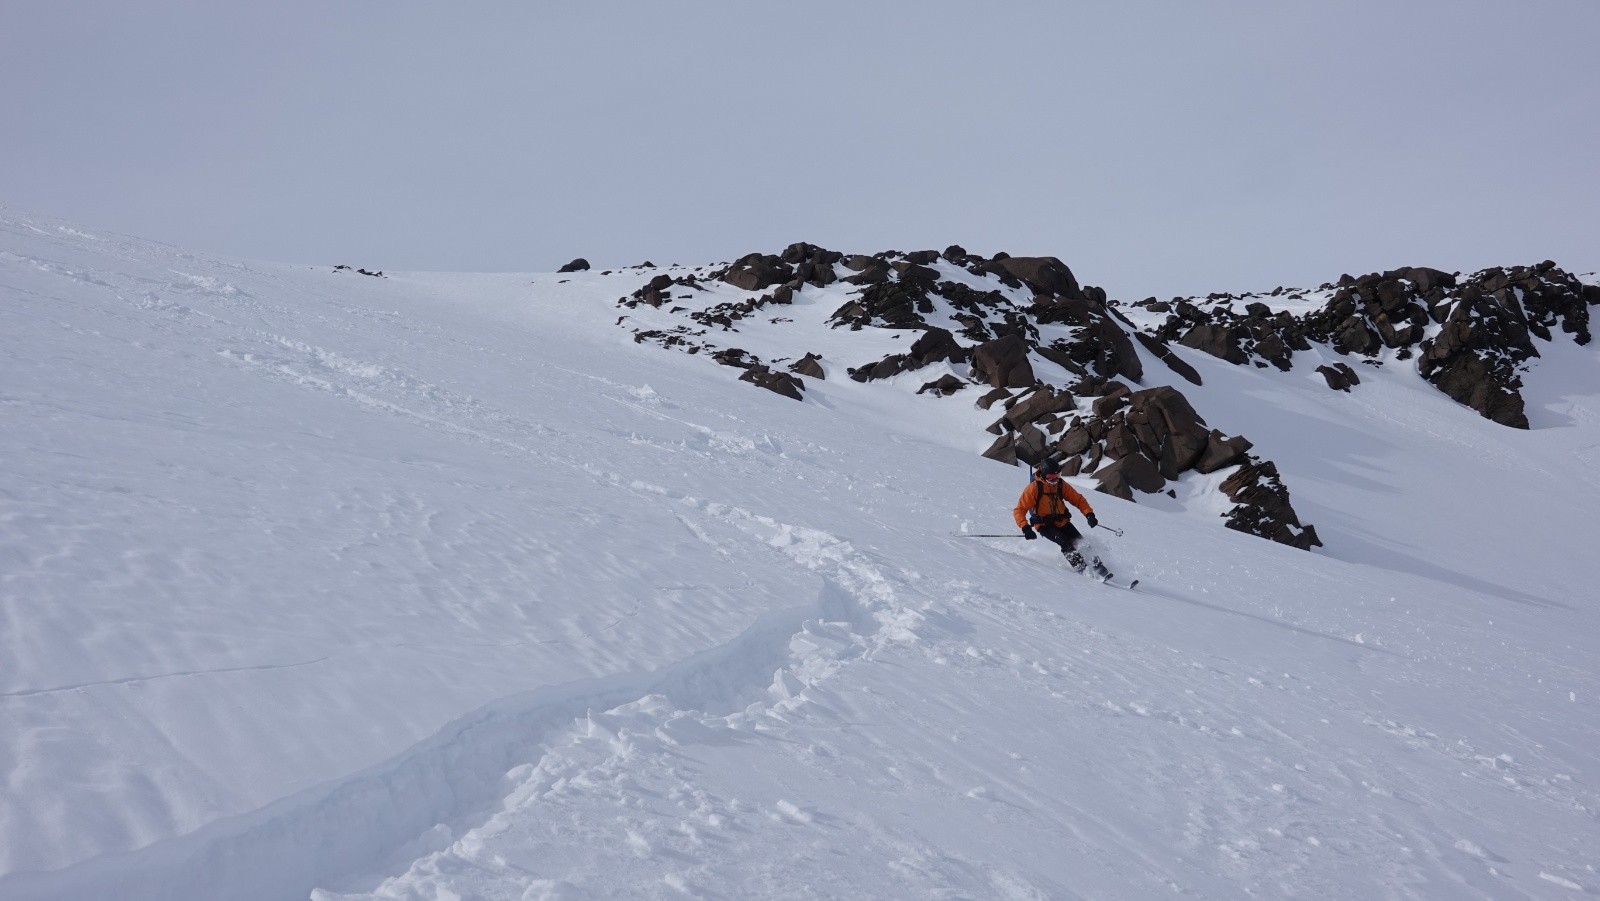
(1044, 504)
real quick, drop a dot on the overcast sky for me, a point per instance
(1157, 148)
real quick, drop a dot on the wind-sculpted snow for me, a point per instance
(433, 586)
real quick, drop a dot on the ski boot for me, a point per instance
(1099, 571)
(1076, 560)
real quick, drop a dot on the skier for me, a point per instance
(1044, 505)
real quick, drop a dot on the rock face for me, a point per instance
(578, 265)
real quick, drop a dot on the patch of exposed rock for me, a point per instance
(1471, 337)
(1021, 329)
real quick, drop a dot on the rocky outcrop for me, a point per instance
(1261, 506)
(1060, 366)
(1140, 442)
(578, 265)
(1470, 336)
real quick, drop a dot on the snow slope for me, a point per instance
(439, 586)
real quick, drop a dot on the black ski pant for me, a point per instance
(1066, 535)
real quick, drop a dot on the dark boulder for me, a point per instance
(1038, 405)
(937, 345)
(801, 252)
(1120, 359)
(1355, 336)
(1221, 452)
(944, 386)
(1340, 376)
(578, 265)
(1425, 279)
(1031, 443)
(809, 365)
(757, 272)
(1075, 440)
(1003, 363)
(1220, 341)
(888, 367)
(734, 356)
(1121, 441)
(1042, 275)
(1262, 508)
(1169, 428)
(1003, 449)
(910, 272)
(1113, 398)
(988, 399)
(778, 382)
(1129, 474)
(868, 270)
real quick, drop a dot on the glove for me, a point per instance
(1092, 521)
(1029, 533)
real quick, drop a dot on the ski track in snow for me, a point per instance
(885, 727)
(460, 772)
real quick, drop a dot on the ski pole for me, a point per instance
(1118, 532)
(975, 535)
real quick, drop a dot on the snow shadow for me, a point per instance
(1356, 547)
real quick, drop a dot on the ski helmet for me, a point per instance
(1047, 466)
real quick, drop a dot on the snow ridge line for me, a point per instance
(357, 824)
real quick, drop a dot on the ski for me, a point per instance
(1098, 572)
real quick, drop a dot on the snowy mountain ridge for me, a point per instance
(440, 585)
